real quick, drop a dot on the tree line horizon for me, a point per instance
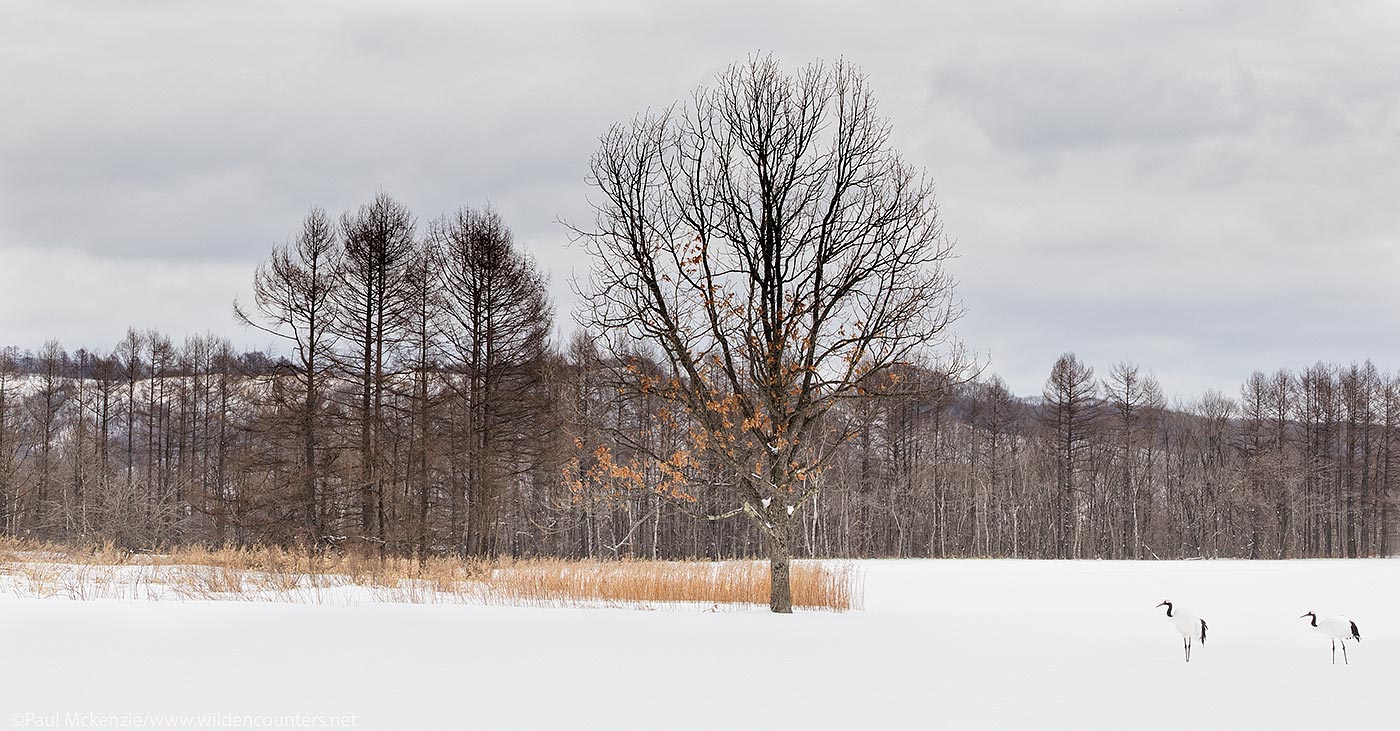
(764, 365)
(1298, 457)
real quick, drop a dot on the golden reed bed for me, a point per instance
(277, 574)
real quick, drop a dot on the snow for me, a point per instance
(941, 644)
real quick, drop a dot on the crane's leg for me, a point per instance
(1344, 653)
(1188, 649)
(1334, 652)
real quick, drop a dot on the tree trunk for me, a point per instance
(308, 498)
(780, 566)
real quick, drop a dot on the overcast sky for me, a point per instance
(1204, 188)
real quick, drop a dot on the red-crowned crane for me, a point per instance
(1187, 624)
(1336, 628)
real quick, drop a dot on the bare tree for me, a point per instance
(1317, 413)
(1216, 500)
(46, 404)
(379, 243)
(9, 397)
(293, 291)
(497, 325)
(1261, 476)
(106, 373)
(160, 353)
(781, 256)
(994, 419)
(422, 358)
(1070, 411)
(1388, 461)
(1134, 400)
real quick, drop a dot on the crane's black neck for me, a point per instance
(1169, 608)
(1314, 618)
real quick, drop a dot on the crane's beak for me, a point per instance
(1304, 615)
(1163, 604)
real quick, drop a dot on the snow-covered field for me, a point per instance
(940, 645)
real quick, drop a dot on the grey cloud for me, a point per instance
(1203, 187)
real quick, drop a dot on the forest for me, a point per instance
(423, 408)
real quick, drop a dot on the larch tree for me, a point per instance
(1282, 388)
(993, 416)
(1070, 409)
(128, 354)
(51, 392)
(421, 359)
(1317, 412)
(1134, 399)
(293, 291)
(379, 243)
(1260, 472)
(1387, 463)
(496, 316)
(769, 243)
(9, 396)
(160, 352)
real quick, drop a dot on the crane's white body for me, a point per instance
(1338, 629)
(1187, 624)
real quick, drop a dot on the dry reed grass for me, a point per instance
(267, 573)
(814, 585)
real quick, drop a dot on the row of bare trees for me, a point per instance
(561, 454)
(125, 445)
(1297, 465)
(407, 405)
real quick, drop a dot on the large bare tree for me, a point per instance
(770, 243)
